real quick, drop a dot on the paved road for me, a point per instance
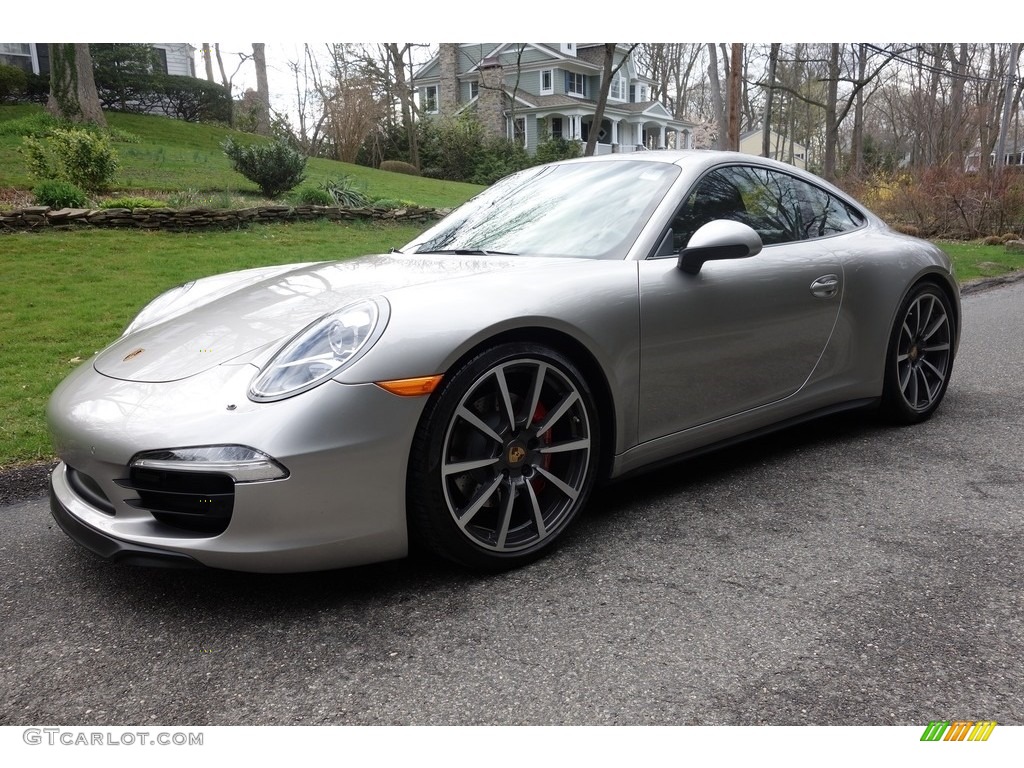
(842, 573)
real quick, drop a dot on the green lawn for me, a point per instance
(974, 260)
(65, 295)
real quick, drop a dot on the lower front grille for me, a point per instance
(193, 501)
(89, 491)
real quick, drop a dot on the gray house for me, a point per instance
(531, 91)
(172, 58)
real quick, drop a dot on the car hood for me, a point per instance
(238, 323)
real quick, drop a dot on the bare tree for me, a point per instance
(608, 71)
(735, 69)
(208, 61)
(259, 58)
(72, 87)
(716, 96)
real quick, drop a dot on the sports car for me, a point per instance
(574, 323)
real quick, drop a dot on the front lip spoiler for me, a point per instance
(113, 549)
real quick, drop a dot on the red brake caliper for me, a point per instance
(537, 481)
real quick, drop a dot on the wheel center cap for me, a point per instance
(515, 455)
(913, 353)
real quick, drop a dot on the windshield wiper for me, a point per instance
(472, 252)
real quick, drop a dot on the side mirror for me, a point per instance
(720, 239)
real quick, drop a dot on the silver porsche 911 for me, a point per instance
(573, 323)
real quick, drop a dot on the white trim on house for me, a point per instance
(550, 88)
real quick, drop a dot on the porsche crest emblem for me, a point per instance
(516, 454)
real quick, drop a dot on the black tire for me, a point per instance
(504, 457)
(919, 360)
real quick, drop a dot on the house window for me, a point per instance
(160, 61)
(519, 131)
(617, 90)
(575, 84)
(556, 127)
(16, 55)
(430, 99)
(547, 81)
(474, 89)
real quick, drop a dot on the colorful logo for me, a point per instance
(958, 730)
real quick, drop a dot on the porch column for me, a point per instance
(661, 137)
(615, 135)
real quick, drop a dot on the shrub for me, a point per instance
(72, 154)
(125, 82)
(392, 204)
(346, 193)
(13, 83)
(398, 166)
(943, 202)
(499, 158)
(59, 194)
(131, 202)
(557, 148)
(274, 167)
(314, 196)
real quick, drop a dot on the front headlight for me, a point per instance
(321, 350)
(159, 308)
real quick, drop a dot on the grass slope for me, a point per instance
(174, 156)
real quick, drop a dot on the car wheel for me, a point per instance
(504, 457)
(920, 356)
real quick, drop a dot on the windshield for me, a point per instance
(585, 210)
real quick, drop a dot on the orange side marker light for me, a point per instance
(421, 385)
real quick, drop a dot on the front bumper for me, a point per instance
(346, 448)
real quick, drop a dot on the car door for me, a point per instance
(741, 333)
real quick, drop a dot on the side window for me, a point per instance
(826, 215)
(753, 196)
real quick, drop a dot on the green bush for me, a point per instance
(274, 167)
(557, 148)
(72, 154)
(497, 159)
(132, 202)
(59, 194)
(13, 83)
(398, 166)
(392, 204)
(314, 196)
(346, 192)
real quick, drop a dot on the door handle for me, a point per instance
(826, 286)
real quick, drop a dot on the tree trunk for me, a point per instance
(208, 61)
(259, 58)
(831, 119)
(716, 96)
(766, 123)
(1008, 101)
(734, 95)
(72, 86)
(405, 97)
(857, 140)
(602, 99)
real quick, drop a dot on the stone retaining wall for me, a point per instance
(187, 219)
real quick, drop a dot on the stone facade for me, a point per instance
(448, 88)
(490, 104)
